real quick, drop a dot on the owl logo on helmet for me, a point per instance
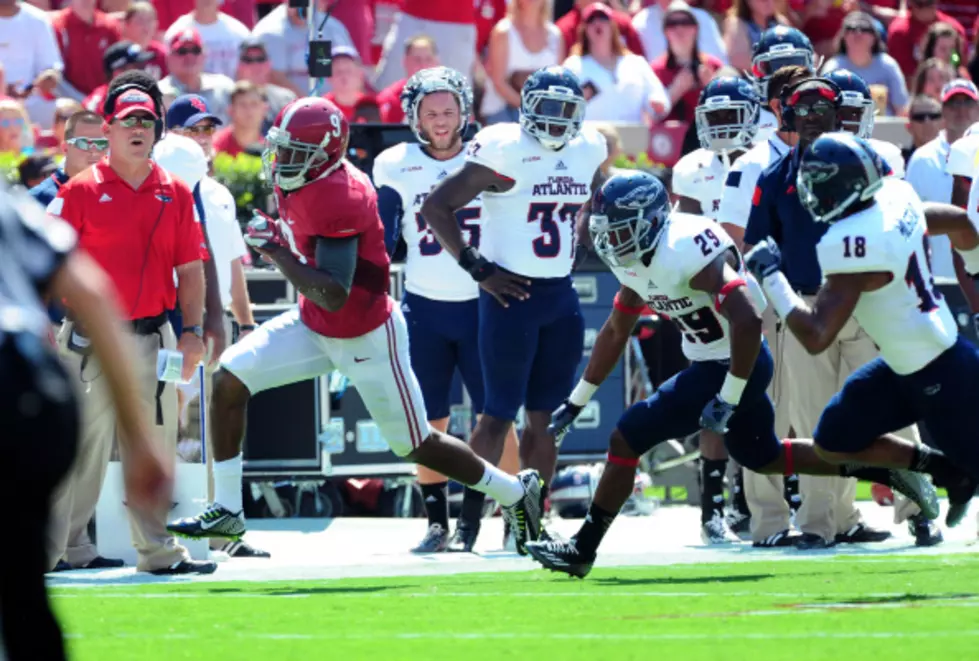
(430, 81)
(837, 171)
(307, 141)
(629, 213)
(552, 107)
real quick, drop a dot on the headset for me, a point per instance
(788, 113)
(109, 105)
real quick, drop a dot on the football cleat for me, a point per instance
(917, 488)
(562, 556)
(778, 540)
(523, 517)
(464, 538)
(215, 521)
(925, 532)
(959, 496)
(436, 540)
(861, 533)
(716, 532)
(738, 522)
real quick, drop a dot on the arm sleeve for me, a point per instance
(338, 257)
(189, 243)
(391, 210)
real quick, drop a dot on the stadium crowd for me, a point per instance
(640, 62)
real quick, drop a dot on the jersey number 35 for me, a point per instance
(429, 246)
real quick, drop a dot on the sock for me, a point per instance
(792, 496)
(868, 473)
(544, 492)
(928, 460)
(472, 507)
(712, 488)
(227, 483)
(437, 503)
(740, 501)
(504, 488)
(593, 530)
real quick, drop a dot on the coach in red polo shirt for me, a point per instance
(137, 222)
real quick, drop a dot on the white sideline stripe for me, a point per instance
(967, 633)
(559, 595)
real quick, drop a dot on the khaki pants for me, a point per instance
(766, 493)
(74, 503)
(828, 502)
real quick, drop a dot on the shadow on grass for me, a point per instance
(282, 591)
(908, 598)
(743, 578)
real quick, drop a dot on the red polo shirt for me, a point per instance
(82, 45)
(568, 24)
(350, 112)
(488, 14)
(137, 236)
(225, 142)
(389, 101)
(904, 35)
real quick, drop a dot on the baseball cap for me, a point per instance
(124, 53)
(251, 43)
(187, 110)
(679, 7)
(345, 51)
(859, 19)
(596, 8)
(131, 101)
(960, 86)
(188, 37)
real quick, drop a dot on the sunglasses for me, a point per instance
(926, 116)
(89, 144)
(859, 30)
(7, 123)
(682, 23)
(133, 122)
(258, 59)
(188, 51)
(816, 108)
(204, 129)
(922, 3)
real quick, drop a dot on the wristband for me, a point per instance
(783, 299)
(247, 327)
(582, 393)
(970, 259)
(626, 309)
(477, 266)
(732, 389)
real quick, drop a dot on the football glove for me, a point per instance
(763, 260)
(561, 419)
(716, 415)
(262, 230)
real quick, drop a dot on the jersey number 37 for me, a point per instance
(548, 244)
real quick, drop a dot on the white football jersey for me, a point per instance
(963, 154)
(688, 244)
(907, 318)
(767, 125)
(530, 229)
(700, 176)
(891, 154)
(430, 270)
(739, 185)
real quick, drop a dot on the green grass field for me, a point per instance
(878, 607)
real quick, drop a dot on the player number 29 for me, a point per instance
(548, 245)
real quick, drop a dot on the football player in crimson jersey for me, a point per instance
(329, 243)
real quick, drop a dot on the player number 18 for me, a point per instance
(855, 246)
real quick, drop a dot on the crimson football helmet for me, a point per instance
(307, 141)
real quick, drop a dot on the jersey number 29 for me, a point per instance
(429, 246)
(549, 243)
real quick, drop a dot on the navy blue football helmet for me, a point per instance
(727, 114)
(429, 81)
(552, 106)
(628, 215)
(855, 94)
(836, 171)
(777, 47)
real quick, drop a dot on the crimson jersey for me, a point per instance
(341, 205)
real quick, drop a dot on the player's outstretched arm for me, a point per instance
(818, 326)
(453, 193)
(609, 345)
(328, 284)
(954, 222)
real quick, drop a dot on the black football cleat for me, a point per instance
(436, 540)
(781, 539)
(464, 538)
(524, 516)
(103, 563)
(215, 521)
(925, 532)
(561, 556)
(862, 534)
(812, 542)
(960, 494)
(187, 567)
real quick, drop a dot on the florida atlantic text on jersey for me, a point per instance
(430, 271)
(530, 229)
(688, 244)
(907, 318)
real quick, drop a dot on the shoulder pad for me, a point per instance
(891, 155)
(493, 148)
(963, 157)
(685, 172)
(594, 137)
(384, 170)
(691, 243)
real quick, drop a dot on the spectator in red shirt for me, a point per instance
(119, 57)
(83, 34)
(974, 61)
(905, 32)
(348, 89)
(420, 53)
(488, 14)
(743, 26)
(568, 25)
(247, 111)
(683, 69)
(140, 27)
(966, 12)
(932, 75)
